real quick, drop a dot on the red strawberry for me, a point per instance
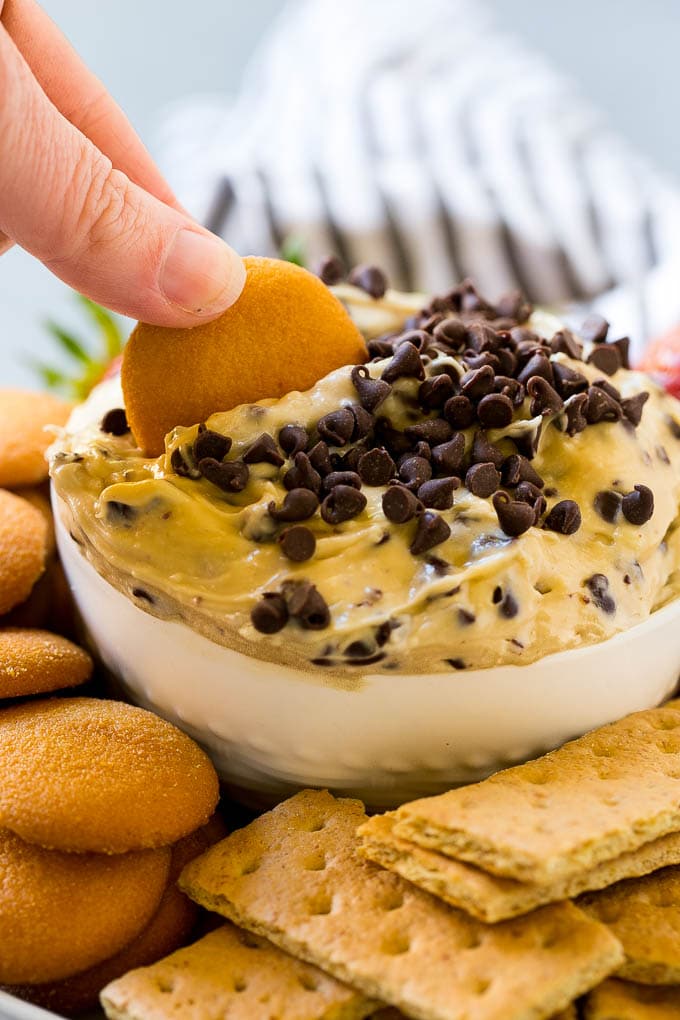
(661, 360)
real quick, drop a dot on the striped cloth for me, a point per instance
(421, 137)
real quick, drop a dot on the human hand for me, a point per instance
(80, 192)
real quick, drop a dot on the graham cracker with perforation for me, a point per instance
(236, 974)
(623, 1000)
(490, 897)
(644, 914)
(595, 798)
(294, 876)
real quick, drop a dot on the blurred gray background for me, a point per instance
(624, 54)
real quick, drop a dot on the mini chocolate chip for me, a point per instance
(481, 337)
(306, 605)
(405, 362)
(320, 458)
(414, 471)
(115, 422)
(456, 663)
(120, 513)
(483, 451)
(544, 399)
(568, 381)
(337, 427)
(431, 530)
(632, 407)
(495, 411)
(394, 440)
(330, 270)
(297, 543)
(399, 504)
(600, 406)
(606, 357)
(594, 330)
(432, 430)
(638, 505)
(609, 389)
(433, 393)
(522, 335)
(381, 347)
(598, 586)
(263, 451)
(528, 440)
(459, 412)
(341, 504)
(369, 278)
(531, 494)
(575, 408)
(507, 366)
(465, 617)
(211, 444)
(418, 337)
(270, 614)
(623, 347)
(516, 469)
(341, 478)
(363, 422)
(514, 517)
(228, 475)
(298, 505)
(371, 392)
(477, 382)
(564, 518)
(508, 606)
(143, 594)
(451, 332)
(513, 305)
(510, 388)
(482, 480)
(607, 503)
(293, 439)
(438, 493)
(376, 467)
(564, 342)
(473, 362)
(538, 364)
(180, 464)
(302, 475)
(447, 458)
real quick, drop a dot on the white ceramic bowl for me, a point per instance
(271, 730)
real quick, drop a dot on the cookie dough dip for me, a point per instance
(487, 489)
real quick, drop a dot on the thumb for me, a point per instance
(62, 200)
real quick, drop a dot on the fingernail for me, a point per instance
(201, 274)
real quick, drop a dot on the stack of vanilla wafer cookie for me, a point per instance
(549, 890)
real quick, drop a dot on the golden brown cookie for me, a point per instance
(61, 913)
(36, 662)
(286, 331)
(23, 548)
(23, 440)
(84, 774)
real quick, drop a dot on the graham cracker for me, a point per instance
(294, 876)
(595, 798)
(490, 897)
(622, 1000)
(644, 914)
(232, 973)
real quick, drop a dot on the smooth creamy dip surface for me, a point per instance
(187, 551)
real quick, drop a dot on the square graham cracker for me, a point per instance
(235, 974)
(490, 897)
(595, 798)
(644, 914)
(623, 1000)
(293, 875)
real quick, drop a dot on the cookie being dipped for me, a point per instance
(286, 331)
(37, 662)
(83, 774)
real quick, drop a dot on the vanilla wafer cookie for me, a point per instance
(232, 973)
(644, 914)
(490, 897)
(590, 801)
(293, 875)
(623, 1000)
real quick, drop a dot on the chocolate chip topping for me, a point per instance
(337, 427)
(320, 458)
(568, 381)
(447, 458)
(298, 505)
(306, 605)
(302, 475)
(544, 399)
(607, 503)
(482, 480)
(564, 342)
(514, 516)
(115, 422)
(371, 392)
(594, 330)
(181, 465)
(431, 530)
(433, 393)
(270, 614)
(538, 364)
(576, 417)
(638, 505)
(516, 469)
(495, 411)
(632, 407)
(210, 444)
(330, 270)
(459, 412)
(564, 518)
(623, 347)
(341, 504)
(230, 475)
(400, 504)
(120, 513)
(369, 278)
(484, 452)
(438, 493)
(263, 451)
(432, 430)
(340, 478)
(600, 406)
(405, 363)
(297, 543)
(376, 467)
(598, 586)
(606, 358)
(413, 471)
(293, 439)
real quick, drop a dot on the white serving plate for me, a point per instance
(271, 729)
